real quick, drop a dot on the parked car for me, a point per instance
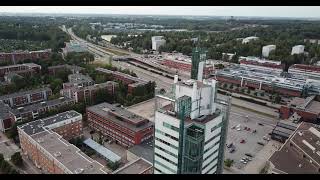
(233, 127)
(249, 155)
(248, 129)
(254, 131)
(230, 145)
(260, 143)
(232, 150)
(260, 124)
(242, 141)
(238, 129)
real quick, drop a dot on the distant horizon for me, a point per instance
(298, 12)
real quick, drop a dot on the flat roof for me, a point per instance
(111, 112)
(67, 154)
(135, 167)
(144, 150)
(39, 105)
(305, 140)
(111, 156)
(307, 104)
(38, 126)
(16, 94)
(79, 78)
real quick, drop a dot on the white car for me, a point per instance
(238, 129)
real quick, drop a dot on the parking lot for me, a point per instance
(238, 122)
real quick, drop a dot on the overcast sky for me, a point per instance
(266, 11)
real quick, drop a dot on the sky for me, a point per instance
(264, 11)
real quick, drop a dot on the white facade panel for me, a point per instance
(164, 146)
(204, 171)
(164, 154)
(210, 125)
(212, 171)
(167, 139)
(166, 163)
(205, 155)
(210, 159)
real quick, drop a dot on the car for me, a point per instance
(244, 162)
(233, 127)
(260, 124)
(232, 150)
(245, 128)
(248, 129)
(260, 143)
(242, 141)
(230, 145)
(238, 129)
(254, 131)
(249, 155)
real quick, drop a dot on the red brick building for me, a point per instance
(16, 57)
(126, 79)
(122, 126)
(21, 69)
(308, 109)
(26, 97)
(186, 66)
(43, 142)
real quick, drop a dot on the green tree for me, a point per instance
(17, 159)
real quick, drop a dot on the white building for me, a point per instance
(190, 129)
(248, 39)
(157, 41)
(267, 49)
(298, 49)
(74, 46)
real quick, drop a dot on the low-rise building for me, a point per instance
(26, 97)
(33, 111)
(139, 166)
(20, 56)
(308, 108)
(283, 130)
(88, 93)
(307, 71)
(73, 68)
(248, 39)
(267, 49)
(43, 142)
(132, 82)
(21, 69)
(122, 126)
(300, 154)
(74, 46)
(298, 49)
(78, 79)
(261, 64)
(6, 120)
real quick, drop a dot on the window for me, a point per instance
(170, 127)
(166, 151)
(167, 135)
(166, 143)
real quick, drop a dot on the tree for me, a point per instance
(277, 98)
(17, 159)
(228, 162)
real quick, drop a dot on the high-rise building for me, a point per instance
(298, 49)
(157, 41)
(190, 129)
(198, 61)
(267, 49)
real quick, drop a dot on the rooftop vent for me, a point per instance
(57, 154)
(79, 171)
(300, 165)
(300, 133)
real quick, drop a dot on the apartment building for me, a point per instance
(33, 111)
(44, 143)
(26, 97)
(124, 127)
(78, 79)
(190, 129)
(132, 82)
(298, 49)
(73, 68)
(88, 93)
(267, 49)
(20, 56)
(21, 69)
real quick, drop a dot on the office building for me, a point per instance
(300, 154)
(44, 143)
(26, 97)
(190, 129)
(267, 49)
(298, 49)
(157, 41)
(124, 127)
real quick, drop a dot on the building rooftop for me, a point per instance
(305, 140)
(71, 67)
(144, 150)
(128, 119)
(307, 104)
(4, 110)
(24, 93)
(79, 78)
(103, 151)
(75, 161)
(37, 106)
(38, 126)
(135, 167)
(304, 67)
(30, 65)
